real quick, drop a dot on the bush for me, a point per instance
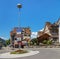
(48, 42)
(13, 52)
(35, 44)
(45, 42)
(31, 43)
(19, 52)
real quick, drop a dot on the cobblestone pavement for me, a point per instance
(45, 53)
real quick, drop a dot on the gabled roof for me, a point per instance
(45, 36)
(57, 23)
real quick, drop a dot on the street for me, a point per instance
(45, 53)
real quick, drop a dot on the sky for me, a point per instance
(33, 14)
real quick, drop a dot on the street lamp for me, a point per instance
(19, 6)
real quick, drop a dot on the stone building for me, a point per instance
(20, 34)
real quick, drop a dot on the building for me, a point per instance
(20, 34)
(50, 32)
(40, 33)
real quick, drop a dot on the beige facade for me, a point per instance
(19, 34)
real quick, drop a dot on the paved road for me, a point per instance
(5, 49)
(45, 53)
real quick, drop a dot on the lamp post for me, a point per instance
(19, 6)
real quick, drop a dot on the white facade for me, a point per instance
(47, 30)
(59, 33)
(24, 37)
(58, 23)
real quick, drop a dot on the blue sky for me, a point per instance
(34, 13)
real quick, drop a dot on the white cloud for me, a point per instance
(33, 35)
(41, 29)
(3, 38)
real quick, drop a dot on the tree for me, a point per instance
(8, 42)
(34, 40)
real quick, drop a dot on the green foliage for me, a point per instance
(48, 42)
(19, 52)
(31, 43)
(35, 44)
(45, 42)
(13, 52)
(34, 41)
(7, 42)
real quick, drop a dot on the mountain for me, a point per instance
(2, 41)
